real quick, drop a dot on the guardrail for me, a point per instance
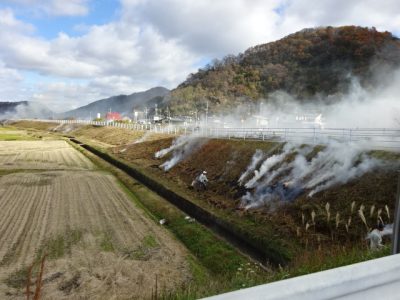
(374, 279)
(386, 138)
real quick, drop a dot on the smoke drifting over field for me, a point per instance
(22, 110)
(181, 148)
(304, 167)
(361, 106)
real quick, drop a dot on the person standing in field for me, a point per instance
(201, 181)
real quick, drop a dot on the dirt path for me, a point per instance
(101, 245)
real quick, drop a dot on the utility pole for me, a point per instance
(207, 115)
(396, 225)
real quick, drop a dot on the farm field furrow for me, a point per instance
(35, 231)
(15, 223)
(43, 155)
(86, 224)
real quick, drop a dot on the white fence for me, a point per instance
(384, 138)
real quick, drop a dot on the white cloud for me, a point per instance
(70, 94)
(8, 21)
(208, 27)
(55, 7)
(217, 28)
(114, 49)
(75, 94)
(10, 82)
(384, 15)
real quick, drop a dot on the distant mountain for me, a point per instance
(124, 104)
(311, 62)
(24, 109)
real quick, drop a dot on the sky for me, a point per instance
(67, 53)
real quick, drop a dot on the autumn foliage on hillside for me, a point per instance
(304, 64)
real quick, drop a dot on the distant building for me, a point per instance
(113, 116)
(139, 116)
(127, 119)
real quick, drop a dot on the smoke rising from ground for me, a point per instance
(267, 165)
(258, 155)
(143, 138)
(296, 170)
(361, 106)
(305, 167)
(284, 176)
(181, 148)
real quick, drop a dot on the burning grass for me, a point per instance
(226, 160)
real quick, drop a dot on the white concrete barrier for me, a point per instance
(375, 279)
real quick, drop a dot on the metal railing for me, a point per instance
(385, 138)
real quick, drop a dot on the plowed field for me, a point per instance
(99, 244)
(46, 155)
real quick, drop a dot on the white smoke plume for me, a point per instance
(143, 138)
(177, 143)
(267, 165)
(181, 148)
(257, 157)
(335, 164)
(358, 107)
(27, 110)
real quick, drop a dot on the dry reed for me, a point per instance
(328, 213)
(337, 219)
(353, 205)
(361, 214)
(371, 211)
(387, 212)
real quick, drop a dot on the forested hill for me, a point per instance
(306, 63)
(122, 103)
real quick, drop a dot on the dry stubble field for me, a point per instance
(99, 244)
(42, 155)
